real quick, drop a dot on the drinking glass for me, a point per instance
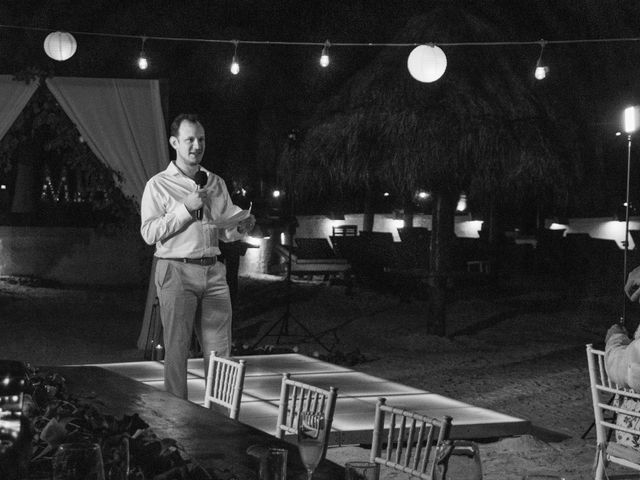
(273, 465)
(78, 461)
(311, 436)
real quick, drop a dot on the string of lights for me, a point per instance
(426, 63)
(333, 44)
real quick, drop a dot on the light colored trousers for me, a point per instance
(184, 291)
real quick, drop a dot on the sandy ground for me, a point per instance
(515, 346)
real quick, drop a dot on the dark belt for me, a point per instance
(204, 261)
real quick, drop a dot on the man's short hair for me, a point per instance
(175, 125)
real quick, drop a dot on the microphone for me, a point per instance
(201, 181)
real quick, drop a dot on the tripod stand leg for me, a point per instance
(312, 335)
(586, 432)
(593, 424)
(286, 316)
(266, 334)
(284, 331)
(284, 328)
(284, 325)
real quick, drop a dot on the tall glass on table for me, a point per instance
(312, 433)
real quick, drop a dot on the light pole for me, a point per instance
(630, 126)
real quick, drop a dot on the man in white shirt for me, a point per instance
(185, 222)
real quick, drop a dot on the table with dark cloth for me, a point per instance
(209, 437)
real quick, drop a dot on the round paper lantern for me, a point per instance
(60, 46)
(427, 63)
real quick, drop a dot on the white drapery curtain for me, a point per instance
(121, 120)
(14, 95)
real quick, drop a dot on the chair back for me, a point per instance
(616, 411)
(414, 443)
(344, 230)
(296, 397)
(225, 380)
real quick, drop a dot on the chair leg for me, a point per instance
(599, 473)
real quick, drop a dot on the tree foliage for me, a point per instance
(481, 128)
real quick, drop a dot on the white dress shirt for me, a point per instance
(167, 223)
(622, 357)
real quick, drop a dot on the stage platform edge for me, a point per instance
(357, 396)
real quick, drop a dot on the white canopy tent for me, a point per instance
(120, 119)
(14, 95)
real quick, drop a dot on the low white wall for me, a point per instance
(605, 228)
(258, 260)
(74, 256)
(85, 256)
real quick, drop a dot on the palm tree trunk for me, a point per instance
(441, 261)
(369, 213)
(408, 213)
(494, 234)
(442, 234)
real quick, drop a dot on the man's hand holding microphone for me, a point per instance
(194, 202)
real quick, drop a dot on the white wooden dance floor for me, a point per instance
(357, 397)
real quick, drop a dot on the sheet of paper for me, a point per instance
(233, 220)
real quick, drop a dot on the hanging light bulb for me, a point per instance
(541, 70)
(324, 58)
(235, 66)
(541, 73)
(143, 61)
(462, 203)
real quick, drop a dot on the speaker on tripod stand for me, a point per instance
(291, 223)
